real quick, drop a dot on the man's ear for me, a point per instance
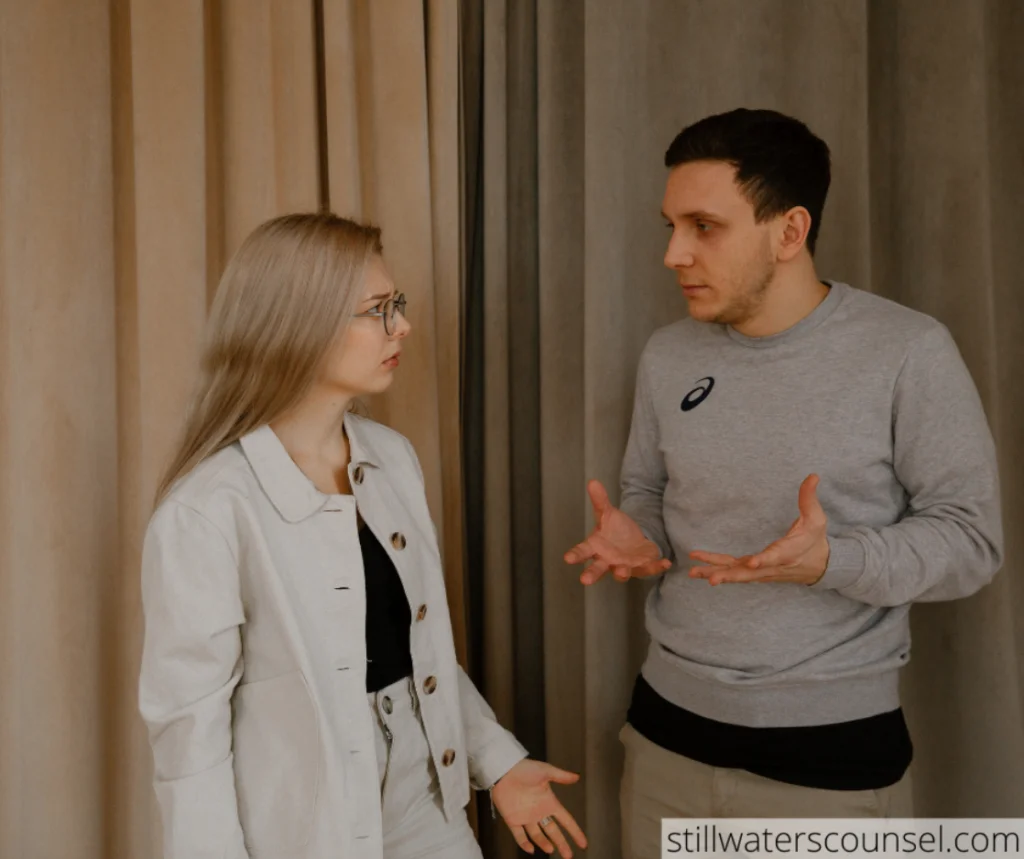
(794, 227)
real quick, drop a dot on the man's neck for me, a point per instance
(789, 300)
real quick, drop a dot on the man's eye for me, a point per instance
(703, 226)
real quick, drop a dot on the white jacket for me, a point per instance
(253, 681)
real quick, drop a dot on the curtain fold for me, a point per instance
(58, 428)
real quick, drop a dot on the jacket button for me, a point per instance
(388, 706)
(357, 475)
(430, 684)
(398, 541)
(449, 757)
(422, 613)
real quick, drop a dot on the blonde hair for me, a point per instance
(284, 296)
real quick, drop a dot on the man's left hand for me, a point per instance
(800, 557)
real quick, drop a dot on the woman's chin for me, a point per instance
(384, 380)
(378, 384)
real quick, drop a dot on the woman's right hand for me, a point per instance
(615, 544)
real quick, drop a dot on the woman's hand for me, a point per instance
(525, 800)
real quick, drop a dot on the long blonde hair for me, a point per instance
(284, 296)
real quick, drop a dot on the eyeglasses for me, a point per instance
(387, 312)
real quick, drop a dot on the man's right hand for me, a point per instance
(615, 544)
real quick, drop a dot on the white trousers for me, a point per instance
(414, 823)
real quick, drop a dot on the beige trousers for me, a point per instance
(657, 783)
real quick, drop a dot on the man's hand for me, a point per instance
(615, 544)
(800, 557)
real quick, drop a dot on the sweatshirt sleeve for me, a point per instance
(643, 476)
(949, 542)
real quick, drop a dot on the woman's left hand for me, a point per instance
(524, 798)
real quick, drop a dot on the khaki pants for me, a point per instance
(657, 783)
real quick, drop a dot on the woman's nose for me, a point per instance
(402, 326)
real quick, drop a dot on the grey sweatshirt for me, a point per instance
(875, 399)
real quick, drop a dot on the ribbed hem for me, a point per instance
(794, 704)
(846, 560)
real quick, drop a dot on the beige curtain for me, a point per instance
(140, 140)
(920, 103)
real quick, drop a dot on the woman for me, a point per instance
(298, 677)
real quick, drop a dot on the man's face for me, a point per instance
(723, 260)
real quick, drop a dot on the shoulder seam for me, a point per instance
(209, 522)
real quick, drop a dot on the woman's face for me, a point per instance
(363, 361)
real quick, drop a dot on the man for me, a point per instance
(770, 687)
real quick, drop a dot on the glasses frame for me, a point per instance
(389, 309)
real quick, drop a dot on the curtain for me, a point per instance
(919, 102)
(140, 141)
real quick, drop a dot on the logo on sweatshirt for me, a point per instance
(698, 395)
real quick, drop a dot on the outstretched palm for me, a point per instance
(615, 544)
(800, 557)
(529, 807)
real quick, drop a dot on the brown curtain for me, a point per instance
(140, 140)
(919, 102)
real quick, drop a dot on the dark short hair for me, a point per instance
(779, 162)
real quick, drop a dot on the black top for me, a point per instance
(388, 617)
(865, 754)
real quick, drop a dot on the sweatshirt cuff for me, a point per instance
(846, 560)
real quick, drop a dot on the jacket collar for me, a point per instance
(289, 490)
